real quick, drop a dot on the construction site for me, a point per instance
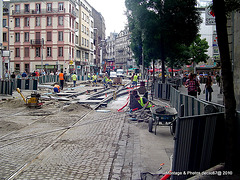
(83, 132)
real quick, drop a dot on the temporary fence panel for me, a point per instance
(6, 87)
(196, 140)
(27, 84)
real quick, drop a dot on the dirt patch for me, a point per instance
(76, 107)
(12, 103)
(9, 126)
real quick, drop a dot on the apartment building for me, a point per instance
(84, 38)
(42, 35)
(123, 53)
(110, 51)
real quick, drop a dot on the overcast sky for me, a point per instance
(113, 13)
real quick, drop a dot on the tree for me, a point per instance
(220, 8)
(163, 25)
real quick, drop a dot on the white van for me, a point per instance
(113, 74)
(120, 73)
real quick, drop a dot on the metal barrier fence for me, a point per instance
(199, 132)
(6, 87)
(199, 144)
(31, 83)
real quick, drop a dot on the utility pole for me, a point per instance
(1, 40)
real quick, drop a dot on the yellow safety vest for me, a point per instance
(140, 101)
(135, 78)
(94, 77)
(74, 77)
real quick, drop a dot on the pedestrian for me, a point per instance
(74, 78)
(61, 79)
(208, 89)
(192, 84)
(184, 79)
(13, 75)
(24, 75)
(218, 79)
(33, 74)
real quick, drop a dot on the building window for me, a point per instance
(38, 52)
(60, 20)
(70, 37)
(49, 51)
(26, 36)
(27, 68)
(38, 8)
(17, 68)
(4, 37)
(49, 36)
(60, 51)
(27, 21)
(4, 22)
(60, 6)
(60, 36)
(49, 21)
(38, 21)
(26, 8)
(17, 8)
(72, 53)
(70, 21)
(49, 7)
(17, 22)
(17, 52)
(76, 38)
(26, 52)
(17, 37)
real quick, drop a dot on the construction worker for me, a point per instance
(143, 101)
(134, 79)
(89, 76)
(94, 79)
(61, 79)
(74, 78)
(106, 80)
(56, 88)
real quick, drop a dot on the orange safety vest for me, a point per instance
(61, 76)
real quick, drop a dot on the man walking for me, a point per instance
(74, 78)
(61, 78)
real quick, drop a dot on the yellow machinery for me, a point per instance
(33, 100)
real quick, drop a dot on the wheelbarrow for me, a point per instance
(162, 116)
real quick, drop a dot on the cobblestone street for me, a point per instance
(80, 143)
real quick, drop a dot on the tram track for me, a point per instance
(10, 141)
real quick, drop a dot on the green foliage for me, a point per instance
(162, 28)
(198, 50)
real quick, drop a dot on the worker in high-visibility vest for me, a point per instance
(134, 79)
(74, 78)
(94, 79)
(143, 101)
(61, 79)
(56, 88)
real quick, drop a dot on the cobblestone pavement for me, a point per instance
(54, 143)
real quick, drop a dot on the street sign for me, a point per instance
(210, 17)
(71, 62)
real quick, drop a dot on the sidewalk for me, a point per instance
(216, 96)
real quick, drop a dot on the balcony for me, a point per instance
(36, 42)
(42, 12)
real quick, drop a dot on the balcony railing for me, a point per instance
(36, 42)
(42, 11)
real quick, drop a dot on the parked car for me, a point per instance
(113, 74)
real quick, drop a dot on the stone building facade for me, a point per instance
(123, 53)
